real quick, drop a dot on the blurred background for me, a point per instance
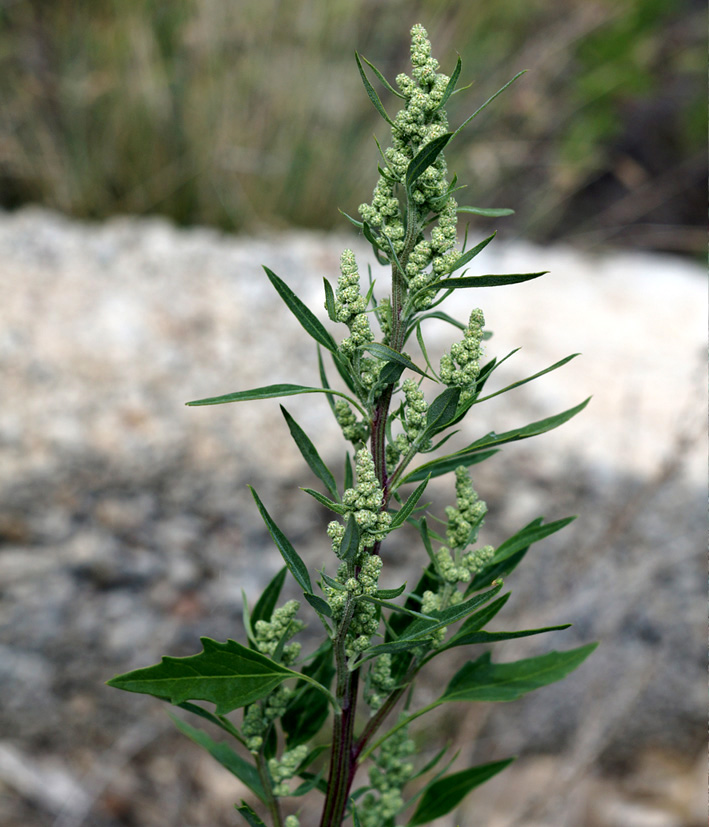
(153, 155)
(250, 114)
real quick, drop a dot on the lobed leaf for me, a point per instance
(226, 674)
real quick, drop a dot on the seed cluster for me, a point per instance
(281, 627)
(388, 776)
(461, 367)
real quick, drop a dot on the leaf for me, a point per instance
(295, 564)
(531, 533)
(425, 157)
(329, 300)
(269, 598)
(249, 815)
(271, 392)
(482, 680)
(420, 628)
(383, 80)
(226, 674)
(488, 101)
(484, 281)
(390, 594)
(321, 606)
(488, 212)
(325, 384)
(406, 510)
(451, 83)
(493, 572)
(438, 467)
(446, 793)
(338, 508)
(439, 314)
(225, 755)
(350, 541)
(387, 354)
(442, 411)
(310, 454)
(358, 224)
(311, 324)
(482, 617)
(372, 95)
(473, 638)
(556, 365)
(468, 256)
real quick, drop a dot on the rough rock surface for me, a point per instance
(126, 530)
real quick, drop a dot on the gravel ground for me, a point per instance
(126, 530)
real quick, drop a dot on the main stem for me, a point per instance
(345, 752)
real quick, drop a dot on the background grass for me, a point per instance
(246, 114)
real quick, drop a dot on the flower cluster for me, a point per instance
(380, 682)
(420, 121)
(388, 776)
(350, 306)
(281, 628)
(413, 417)
(259, 716)
(282, 771)
(461, 367)
(353, 429)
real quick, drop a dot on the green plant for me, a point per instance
(374, 646)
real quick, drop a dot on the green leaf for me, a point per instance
(310, 454)
(446, 793)
(489, 212)
(372, 95)
(482, 680)
(349, 471)
(383, 80)
(556, 365)
(468, 256)
(358, 224)
(488, 101)
(269, 598)
(338, 508)
(225, 755)
(531, 533)
(387, 354)
(451, 83)
(271, 392)
(325, 384)
(420, 628)
(439, 314)
(311, 324)
(423, 159)
(226, 674)
(249, 815)
(493, 572)
(472, 638)
(482, 617)
(329, 300)
(442, 411)
(290, 556)
(444, 465)
(406, 510)
(350, 541)
(377, 247)
(390, 594)
(484, 281)
(321, 606)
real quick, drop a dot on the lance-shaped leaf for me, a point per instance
(531, 533)
(321, 606)
(269, 598)
(421, 627)
(488, 101)
(390, 594)
(423, 159)
(407, 508)
(482, 680)
(471, 638)
(250, 816)
(388, 354)
(371, 94)
(444, 465)
(383, 80)
(311, 324)
(447, 792)
(271, 392)
(226, 674)
(451, 83)
(329, 300)
(520, 382)
(350, 540)
(442, 411)
(468, 256)
(488, 212)
(292, 559)
(462, 282)
(243, 770)
(310, 454)
(338, 508)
